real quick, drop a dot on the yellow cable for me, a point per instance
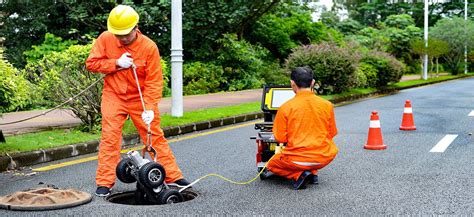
(231, 181)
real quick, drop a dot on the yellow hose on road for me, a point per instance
(225, 179)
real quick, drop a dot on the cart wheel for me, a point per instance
(151, 175)
(124, 171)
(170, 196)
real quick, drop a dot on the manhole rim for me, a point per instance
(131, 194)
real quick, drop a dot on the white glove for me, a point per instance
(125, 61)
(147, 116)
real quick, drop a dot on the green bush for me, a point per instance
(61, 75)
(201, 78)
(349, 26)
(243, 63)
(51, 43)
(389, 69)
(366, 76)
(166, 71)
(333, 66)
(15, 91)
(287, 28)
(274, 74)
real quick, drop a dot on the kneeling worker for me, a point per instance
(307, 124)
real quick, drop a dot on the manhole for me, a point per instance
(130, 198)
(44, 199)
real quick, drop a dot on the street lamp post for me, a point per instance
(465, 46)
(425, 57)
(176, 59)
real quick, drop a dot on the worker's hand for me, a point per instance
(125, 61)
(147, 116)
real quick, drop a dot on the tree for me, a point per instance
(25, 23)
(418, 48)
(349, 26)
(369, 12)
(457, 33)
(393, 35)
(285, 29)
(436, 49)
(62, 75)
(400, 30)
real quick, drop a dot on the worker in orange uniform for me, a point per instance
(307, 124)
(114, 53)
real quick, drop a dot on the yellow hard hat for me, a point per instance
(122, 19)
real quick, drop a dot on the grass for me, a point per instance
(355, 91)
(60, 137)
(55, 138)
(43, 140)
(412, 83)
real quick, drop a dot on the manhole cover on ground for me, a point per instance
(44, 199)
(130, 197)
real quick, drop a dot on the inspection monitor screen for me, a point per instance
(281, 96)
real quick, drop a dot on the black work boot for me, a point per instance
(301, 182)
(182, 182)
(314, 180)
(102, 191)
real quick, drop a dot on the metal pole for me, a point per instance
(425, 58)
(176, 59)
(465, 46)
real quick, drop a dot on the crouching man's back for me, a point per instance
(307, 124)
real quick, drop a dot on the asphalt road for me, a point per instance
(405, 179)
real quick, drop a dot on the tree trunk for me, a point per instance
(437, 67)
(431, 68)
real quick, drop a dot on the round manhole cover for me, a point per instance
(44, 199)
(135, 198)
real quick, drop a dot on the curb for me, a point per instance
(24, 159)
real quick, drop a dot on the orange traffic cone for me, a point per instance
(375, 141)
(407, 121)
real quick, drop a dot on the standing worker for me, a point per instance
(114, 53)
(307, 124)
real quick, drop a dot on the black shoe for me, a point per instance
(182, 182)
(314, 180)
(302, 180)
(102, 191)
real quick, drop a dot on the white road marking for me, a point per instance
(444, 143)
(471, 114)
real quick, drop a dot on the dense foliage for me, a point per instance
(60, 75)
(242, 63)
(333, 66)
(25, 23)
(388, 68)
(286, 29)
(370, 12)
(457, 33)
(15, 90)
(228, 46)
(200, 78)
(51, 43)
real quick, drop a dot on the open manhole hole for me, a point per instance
(167, 196)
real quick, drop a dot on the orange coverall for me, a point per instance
(120, 98)
(306, 122)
